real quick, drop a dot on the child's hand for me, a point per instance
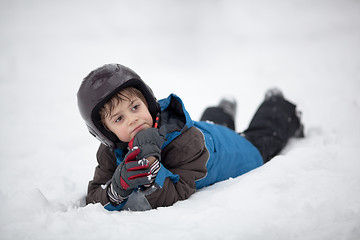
(131, 173)
(149, 141)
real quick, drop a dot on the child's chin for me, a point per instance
(139, 129)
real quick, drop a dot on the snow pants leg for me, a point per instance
(218, 116)
(274, 122)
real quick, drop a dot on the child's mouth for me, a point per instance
(138, 128)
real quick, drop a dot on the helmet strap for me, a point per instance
(156, 124)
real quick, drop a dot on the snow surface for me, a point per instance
(201, 50)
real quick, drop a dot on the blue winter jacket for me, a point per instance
(227, 154)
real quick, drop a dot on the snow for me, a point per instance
(201, 50)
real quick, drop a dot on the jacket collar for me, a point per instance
(174, 104)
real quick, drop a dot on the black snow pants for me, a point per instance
(274, 122)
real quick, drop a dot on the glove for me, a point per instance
(149, 141)
(131, 173)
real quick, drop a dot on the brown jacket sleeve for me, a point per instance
(103, 173)
(185, 156)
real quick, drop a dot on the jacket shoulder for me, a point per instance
(186, 148)
(185, 156)
(106, 156)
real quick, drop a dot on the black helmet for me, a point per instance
(98, 87)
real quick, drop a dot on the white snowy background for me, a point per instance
(201, 50)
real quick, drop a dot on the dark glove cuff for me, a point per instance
(114, 197)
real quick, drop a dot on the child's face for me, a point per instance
(128, 118)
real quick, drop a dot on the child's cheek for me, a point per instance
(123, 135)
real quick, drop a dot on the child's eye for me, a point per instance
(119, 119)
(136, 106)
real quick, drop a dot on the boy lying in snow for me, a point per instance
(153, 154)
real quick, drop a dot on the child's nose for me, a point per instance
(132, 120)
